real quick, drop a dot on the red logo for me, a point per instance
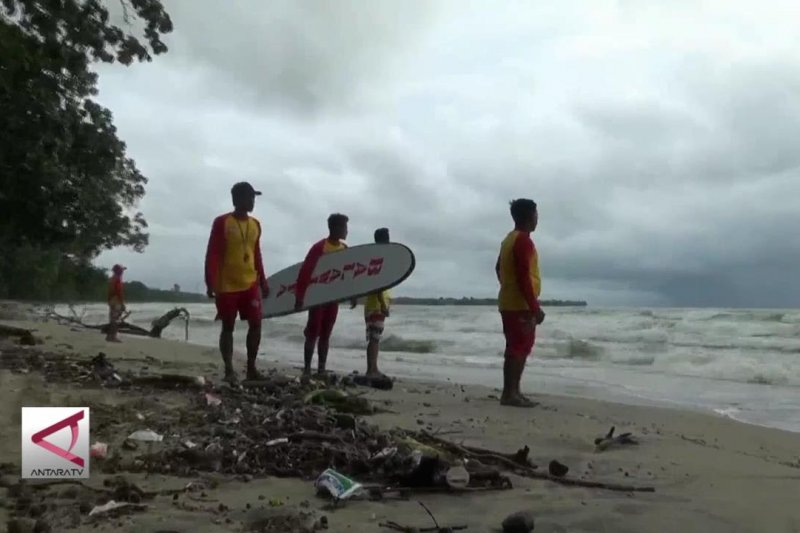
(348, 271)
(72, 422)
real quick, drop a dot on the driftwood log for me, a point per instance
(157, 326)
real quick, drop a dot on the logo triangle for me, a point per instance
(72, 422)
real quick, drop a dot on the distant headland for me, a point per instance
(402, 300)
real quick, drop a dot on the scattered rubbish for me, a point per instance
(557, 469)
(114, 508)
(103, 369)
(338, 486)
(521, 522)
(98, 450)
(605, 442)
(457, 476)
(145, 435)
(189, 445)
(140, 417)
(213, 400)
(275, 442)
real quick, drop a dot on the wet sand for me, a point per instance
(709, 473)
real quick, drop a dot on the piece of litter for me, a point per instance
(140, 416)
(99, 450)
(275, 442)
(213, 399)
(146, 435)
(338, 486)
(114, 506)
(189, 444)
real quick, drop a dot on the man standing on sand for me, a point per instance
(116, 303)
(520, 285)
(376, 311)
(235, 276)
(321, 319)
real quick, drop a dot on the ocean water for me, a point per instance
(744, 364)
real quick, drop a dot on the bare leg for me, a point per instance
(322, 353)
(372, 358)
(512, 375)
(226, 347)
(253, 342)
(308, 354)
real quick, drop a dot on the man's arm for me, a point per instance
(262, 278)
(306, 270)
(497, 268)
(523, 253)
(216, 245)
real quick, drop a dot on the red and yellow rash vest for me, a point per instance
(325, 246)
(115, 290)
(233, 257)
(518, 272)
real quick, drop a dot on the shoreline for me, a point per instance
(721, 474)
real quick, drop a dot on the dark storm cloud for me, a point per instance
(659, 143)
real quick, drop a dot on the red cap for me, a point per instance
(117, 269)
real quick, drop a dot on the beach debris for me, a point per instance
(557, 469)
(435, 529)
(381, 382)
(145, 435)
(519, 522)
(338, 486)
(103, 370)
(212, 399)
(609, 440)
(113, 508)
(457, 476)
(98, 450)
(24, 336)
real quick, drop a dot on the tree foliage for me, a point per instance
(66, 183)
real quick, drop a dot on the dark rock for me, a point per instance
(42, 526)
(557, 469)
(521, 522)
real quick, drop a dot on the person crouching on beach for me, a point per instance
(235, 276)
(517, 271)
(116, 303)
(376, 311)
(321, 319)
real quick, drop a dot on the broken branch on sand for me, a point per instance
(517, 462)
(158, 325)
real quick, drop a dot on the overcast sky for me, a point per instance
(660, 140)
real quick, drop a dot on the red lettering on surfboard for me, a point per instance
(335, 274)
(375, 266)
(360, 269)
(323, 278)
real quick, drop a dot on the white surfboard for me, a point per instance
(340, 276)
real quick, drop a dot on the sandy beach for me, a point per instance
(708, 473)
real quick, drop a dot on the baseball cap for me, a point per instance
(118, 268)
(243, 188)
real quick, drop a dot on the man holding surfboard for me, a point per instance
(520, 285)
(235, 278)
(321, 319)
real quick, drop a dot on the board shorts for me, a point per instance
(246, 303)
(321, 320)
(519, 329)
(374, 326)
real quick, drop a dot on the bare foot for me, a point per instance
(253, 374)
(231, 378)
(517, 400)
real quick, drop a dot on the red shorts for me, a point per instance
(246, 303)
(321, 320)
(519, 329)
